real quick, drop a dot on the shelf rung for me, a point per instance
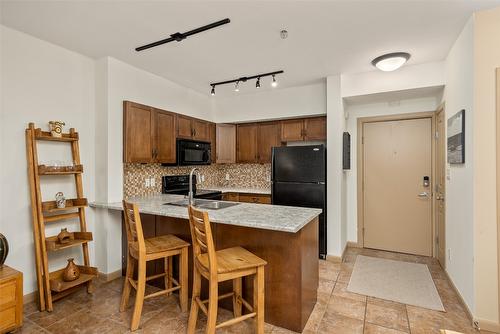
(71, 203)
(57, 284)
(45, 135)
(77, 238)
(63, 170)
(61, 216)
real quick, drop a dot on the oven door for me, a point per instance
(193, 153)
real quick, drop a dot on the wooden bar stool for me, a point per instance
(219, 266)
(144, 250)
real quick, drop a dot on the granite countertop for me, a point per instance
(262, 191)
(262, 216)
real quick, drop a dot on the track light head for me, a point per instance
(237, 86)
(257, 84)
(274, 83)
(213, 90)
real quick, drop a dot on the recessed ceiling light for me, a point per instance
(391, 61)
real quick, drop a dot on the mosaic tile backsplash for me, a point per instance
(240, 176)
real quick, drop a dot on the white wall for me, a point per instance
(408, 77)
(357, 110)
(271, 104)
(459, 188)
(115, 82)
(486, 60)
(41, 82)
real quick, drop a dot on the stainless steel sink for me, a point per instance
(204, 204)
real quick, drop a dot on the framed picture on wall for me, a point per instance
(456, 138)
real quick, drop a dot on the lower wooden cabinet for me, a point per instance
(11, 303)
(247, 198)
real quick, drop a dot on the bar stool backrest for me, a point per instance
(203, 242)
(133, 226)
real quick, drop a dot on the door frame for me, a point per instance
(360, 167)
(442, 239)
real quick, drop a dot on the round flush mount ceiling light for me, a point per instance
(391, 61)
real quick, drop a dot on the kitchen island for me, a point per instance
(286, 237)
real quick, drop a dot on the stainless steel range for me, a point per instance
(179, 185)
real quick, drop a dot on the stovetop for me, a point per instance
(179, 185)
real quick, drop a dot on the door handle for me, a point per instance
(424, 194)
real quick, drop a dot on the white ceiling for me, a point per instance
(325, 37)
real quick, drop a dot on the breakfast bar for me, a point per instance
(286, 237)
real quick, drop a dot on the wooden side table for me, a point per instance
(11, 303)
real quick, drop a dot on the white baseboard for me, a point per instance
(488, 325)
(111, 276)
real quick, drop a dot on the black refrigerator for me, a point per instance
(299, 179)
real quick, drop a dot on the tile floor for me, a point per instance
(337, 310)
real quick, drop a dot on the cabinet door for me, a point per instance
(165, 149)
(247, 143)
(268, 136)
(201, 130)
(226, 143)
(292, 130)
(213, 142)
(184, 127)
(315, 128)
(137, 127)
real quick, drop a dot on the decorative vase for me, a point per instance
(60, 200)
(56, 128)
(64, 236)
(71, 272)
(4, 249)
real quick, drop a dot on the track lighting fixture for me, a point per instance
(274, 83)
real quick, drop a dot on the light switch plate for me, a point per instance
(152, 182)
(147, 183)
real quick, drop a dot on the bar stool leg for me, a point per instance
(168, 271)
(139, 299)
(193, 315)
(126, 284)
(213, 299)
(183, 279)
(258, 299)
(237, 292)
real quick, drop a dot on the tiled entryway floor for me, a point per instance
(337, 311)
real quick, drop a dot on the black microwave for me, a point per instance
(191, 152)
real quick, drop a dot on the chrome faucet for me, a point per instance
(190, 193)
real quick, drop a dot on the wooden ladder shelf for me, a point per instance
(51, 286)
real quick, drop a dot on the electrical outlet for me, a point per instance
(152, 182)
(268, 178)
(147, 183)
(202, 177)
(227, 176)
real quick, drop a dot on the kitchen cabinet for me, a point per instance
(268, 136)
(247, 142)
(247, 198)
(213, 142)
(255, 141)
(254, 198)
(303, 129)
(192, 128)
(11, 303)
(149, 134)
(164, 146)
(226, 143)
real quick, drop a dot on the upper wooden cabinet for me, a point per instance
(247, 142)
(213, 142)
(226, 143)
(303, 129)
(192, 128)
(148, 134)
(268, 136)
(255, 141)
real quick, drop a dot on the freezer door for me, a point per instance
(304, 195)
(299, 164)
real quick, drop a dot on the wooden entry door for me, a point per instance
(440, 187)
(397, 155)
